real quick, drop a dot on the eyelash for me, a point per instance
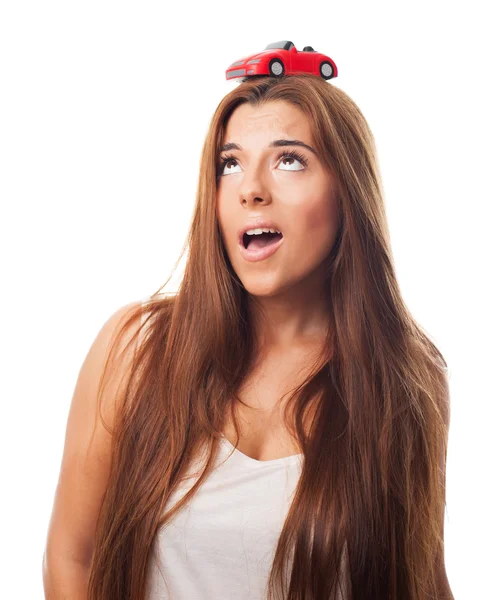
(285, 154)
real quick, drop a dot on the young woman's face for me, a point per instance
(301, 199)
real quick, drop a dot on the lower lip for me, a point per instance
(260, 253)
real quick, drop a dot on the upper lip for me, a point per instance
(258, 224)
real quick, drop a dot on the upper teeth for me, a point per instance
(260, 231)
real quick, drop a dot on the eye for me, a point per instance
(287, 154)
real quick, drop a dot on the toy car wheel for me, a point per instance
(276, 67)
(326, 70)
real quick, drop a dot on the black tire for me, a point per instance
(276, 68)
(326, 70)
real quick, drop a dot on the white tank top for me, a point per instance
(221, 545)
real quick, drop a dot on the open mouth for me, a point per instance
(255, 242)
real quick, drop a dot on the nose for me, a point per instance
(253, 190)
(254, 199)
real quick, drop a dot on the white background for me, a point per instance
(104, 107)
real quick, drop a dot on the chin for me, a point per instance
(259, 286)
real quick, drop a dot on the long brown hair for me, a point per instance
(373, 475)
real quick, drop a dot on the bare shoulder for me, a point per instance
(86, 458)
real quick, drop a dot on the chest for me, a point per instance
(264, 435)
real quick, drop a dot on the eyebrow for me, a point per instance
(274, 144)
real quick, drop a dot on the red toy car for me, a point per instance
(282, 58)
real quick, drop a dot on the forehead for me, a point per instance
(270, 119)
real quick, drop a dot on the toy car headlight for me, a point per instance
(252, 62)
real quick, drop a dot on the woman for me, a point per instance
(280, 425)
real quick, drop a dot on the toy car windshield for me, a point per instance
(284, 45)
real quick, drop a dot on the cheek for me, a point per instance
(318, 221)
